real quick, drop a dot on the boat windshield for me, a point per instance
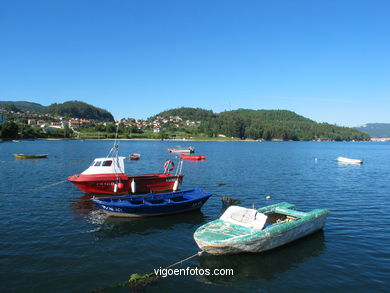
(107, 163)
(97, 163)
(278, 218)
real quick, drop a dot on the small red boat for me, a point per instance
(135, 157)
(187, 150)
(107, 176)
(192, 157)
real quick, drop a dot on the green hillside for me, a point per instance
(23, 105)
(80, 110)
(263, 124)
(71, 109)
(186, 113)
(281, 124)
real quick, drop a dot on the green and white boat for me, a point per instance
(241, 230)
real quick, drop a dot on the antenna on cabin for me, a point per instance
(116, 137)
(114, 150)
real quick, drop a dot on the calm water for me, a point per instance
(53, 241)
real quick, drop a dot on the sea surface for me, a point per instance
(54, 240)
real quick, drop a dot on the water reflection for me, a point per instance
(111, 227)
(83, 205)
(263, 266)
(347, 165)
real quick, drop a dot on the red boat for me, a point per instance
(187, 150)
(192, 157)
(107, 176)
(135, 157)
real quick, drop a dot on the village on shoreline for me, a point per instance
(78, 120)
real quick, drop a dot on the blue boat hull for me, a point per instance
(153, 204)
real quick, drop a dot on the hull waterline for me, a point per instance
(125, 184)
(152, 204)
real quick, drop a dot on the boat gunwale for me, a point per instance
(128, 177)
(151, 196)
(127, 203)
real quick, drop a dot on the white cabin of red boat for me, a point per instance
(106, 166)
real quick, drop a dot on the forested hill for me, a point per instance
(80, 110)
(265, 124)
(186, 113)
(378, 130)
(71, 109)
(22, 106)
(279, 124)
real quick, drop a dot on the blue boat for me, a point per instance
(153, 204)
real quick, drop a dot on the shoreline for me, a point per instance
(193, 140)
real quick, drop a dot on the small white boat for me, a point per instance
(188, 150)
(349, 161)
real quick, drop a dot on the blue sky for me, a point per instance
(326, 60)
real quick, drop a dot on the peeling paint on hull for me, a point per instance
(219, 237)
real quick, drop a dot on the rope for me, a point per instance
(34, 189)
(199, 253)
(40, 207)
(137, 280)
(47, 186)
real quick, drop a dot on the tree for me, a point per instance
(9, 130)
(11, 107)
(67, 130)
(162, 135)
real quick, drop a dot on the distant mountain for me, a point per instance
(79, 109)
(377, 130)
(23, 105)
(186, 113)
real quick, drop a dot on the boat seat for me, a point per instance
(249, 218)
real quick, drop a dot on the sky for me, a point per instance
(328, 60)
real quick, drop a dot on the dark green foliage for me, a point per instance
(267, 125)
(79, 109)
(378, 130)
(110, 128)
(11, 107)
(23, 106)
(55, 132)
(67, 131)
(9, 130)
(71, 109)
(281, 124)
(186, 113)
(27, 131)
(161, 135)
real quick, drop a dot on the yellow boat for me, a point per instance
(23, 156)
